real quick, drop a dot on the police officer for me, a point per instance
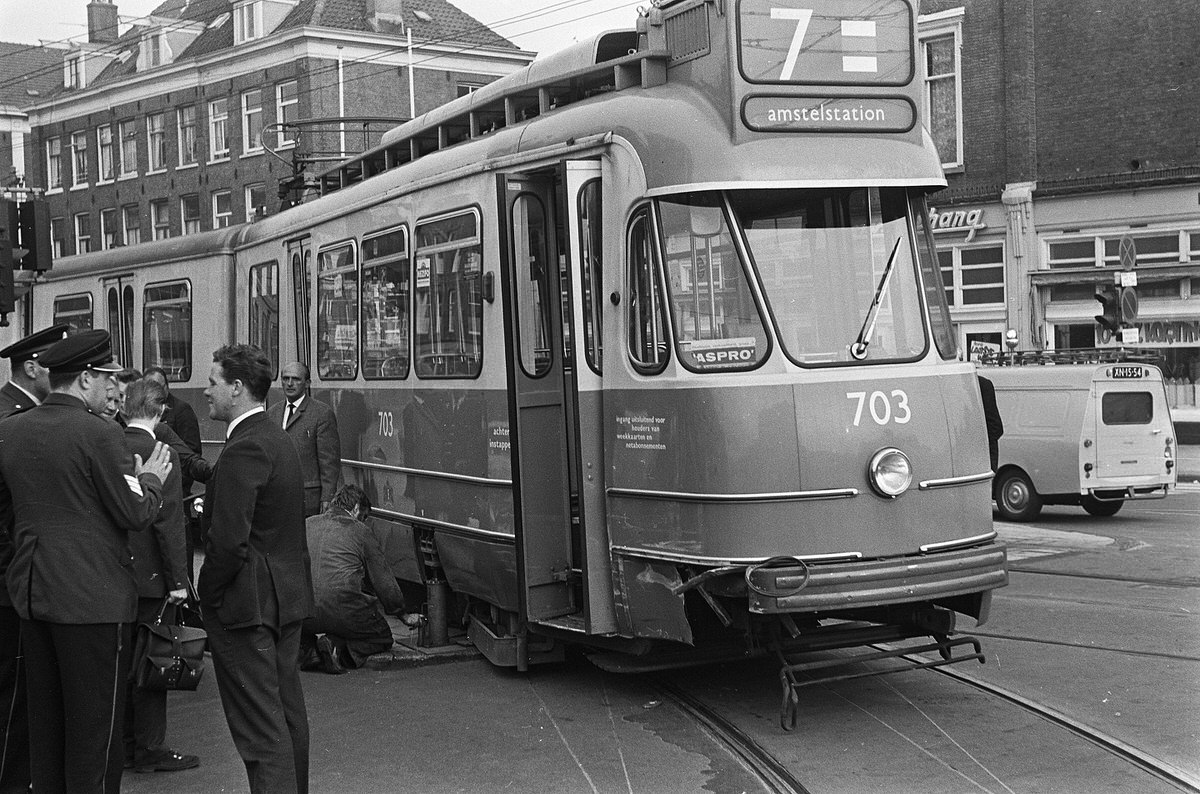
(29, 385)
(74, 495)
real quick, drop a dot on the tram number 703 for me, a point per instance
(883, 408)
(387, 428)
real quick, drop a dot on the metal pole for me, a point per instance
(341, 105)
(438, 593)
(412, 97)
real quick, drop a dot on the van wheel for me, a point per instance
(1016, 499)
(1096, 507)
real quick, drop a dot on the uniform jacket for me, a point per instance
(160, 555)
(345, 557)
(12, 400)
(70, 481)
(314, 431)
(255, 569)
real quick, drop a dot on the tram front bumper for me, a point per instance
(952, 579)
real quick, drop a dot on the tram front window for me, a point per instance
(822, 256)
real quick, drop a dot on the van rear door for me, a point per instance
(1132, 423)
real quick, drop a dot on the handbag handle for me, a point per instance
(161, 609)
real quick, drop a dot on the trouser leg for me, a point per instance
(14, 719)
(292, 694)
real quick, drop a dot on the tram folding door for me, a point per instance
(538, 396)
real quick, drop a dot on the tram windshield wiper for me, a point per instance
(859, 348)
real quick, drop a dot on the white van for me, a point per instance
(1092, 435)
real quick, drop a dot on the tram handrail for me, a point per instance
(448, 527)
(494, 482)
(781, 496)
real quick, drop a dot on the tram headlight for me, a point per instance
(890, 472)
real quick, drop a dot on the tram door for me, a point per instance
(299, 262)
(538, 401)
(118, 303)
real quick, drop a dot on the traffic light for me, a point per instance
(34, 222)
(8, 230)
(1110, 318)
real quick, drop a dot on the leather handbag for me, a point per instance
(168, 656)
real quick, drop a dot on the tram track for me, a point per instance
(775, 776)
(1176, 583)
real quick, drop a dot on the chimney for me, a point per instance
(385, 11)
(102, 22)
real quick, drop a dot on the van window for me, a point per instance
(1127, 408)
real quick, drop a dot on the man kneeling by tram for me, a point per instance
(351, 581)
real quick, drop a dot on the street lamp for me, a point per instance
(1010, 341)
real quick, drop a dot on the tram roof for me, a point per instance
(159, 252)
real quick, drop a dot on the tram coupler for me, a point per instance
(789, 708)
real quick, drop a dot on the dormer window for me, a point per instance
(154, 49)
(247, 22)
(74, 77)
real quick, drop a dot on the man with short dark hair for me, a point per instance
(74, 495)
(312, 426)
(347, 561)
(255, 585)
(161, 569)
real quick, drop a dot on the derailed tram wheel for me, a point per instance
(1102, 508)
(1016, 499)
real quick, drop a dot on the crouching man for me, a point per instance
(351, 583)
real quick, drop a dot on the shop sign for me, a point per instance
(969, 221)
(1157, 333)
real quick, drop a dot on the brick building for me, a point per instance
(1064, 127)
(186, 121)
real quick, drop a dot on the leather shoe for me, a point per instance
(329, 656)
(165, 761)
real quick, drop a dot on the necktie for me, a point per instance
(287, 415)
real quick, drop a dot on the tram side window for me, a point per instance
(644, 315)
(337, 313)
(448, 261)
(592, 256)
(167, 329)
(385, 305)
(717, 324)
(931, 277)
(264, 311)
(532, 284)
(75, 311)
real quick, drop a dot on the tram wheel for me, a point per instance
(1016, 498)
(1097, 507)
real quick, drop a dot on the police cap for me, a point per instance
(85, 350)
(34, 345)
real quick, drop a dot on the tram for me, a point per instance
(642, 349)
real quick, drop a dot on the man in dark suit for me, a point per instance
(70, 494)
(255, 585)
(180, 418)
(312, 426)
(991, 415)
(29, 385)
(160, 566)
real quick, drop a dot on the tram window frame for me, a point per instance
(533, 294)
(399, 262)
(347, 367)
(65, 314)
(176, 373)
(738, 265)
(591, 257)
(642, 267)
(941, 325)
(470, 360)
(255, 334)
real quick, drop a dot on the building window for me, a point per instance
(54, 162)
(156, 141)
(83, 233)
(941, 36)
(251, 120)
(189, 213)
(463, 89)
(127, 130)
(285, 111)
(58, 236)
(110, 231)
(187, 134)
(1157, 247)
(247, 22)
(160, 218)
(75, 311)
(79, 159)
(448, 263)
(75, 72)
(385, 305)
(222, 209)
(131, 220)
(337, 313)
(264, 310)
(104, 146)
(167, 329)
(973, 276)
(256, 201)
(153, 50)
(218, 114)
